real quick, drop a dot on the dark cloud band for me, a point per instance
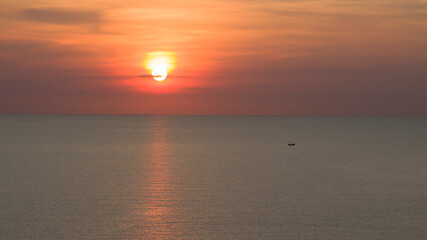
(62, 16)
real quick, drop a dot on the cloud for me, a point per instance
(147, 76)
(62, 16)
(151, 76)
(37, 67)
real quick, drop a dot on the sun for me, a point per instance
(160, 64)
(159, 72)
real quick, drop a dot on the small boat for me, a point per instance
(291, 144)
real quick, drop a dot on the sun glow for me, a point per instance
(160, 64)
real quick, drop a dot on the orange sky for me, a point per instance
(324, 57)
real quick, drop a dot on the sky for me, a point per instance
(238, 57)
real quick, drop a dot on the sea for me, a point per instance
(212, 177)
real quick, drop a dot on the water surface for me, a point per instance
(206, 177)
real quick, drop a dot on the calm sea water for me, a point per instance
(203, 177)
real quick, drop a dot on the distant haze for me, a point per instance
(323, 57)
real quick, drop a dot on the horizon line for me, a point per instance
(225, 115)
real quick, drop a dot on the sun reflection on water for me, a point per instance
(158, 211)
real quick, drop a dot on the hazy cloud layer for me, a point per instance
(61, 15)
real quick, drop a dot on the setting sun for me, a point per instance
(159, 72)
(160, 63)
